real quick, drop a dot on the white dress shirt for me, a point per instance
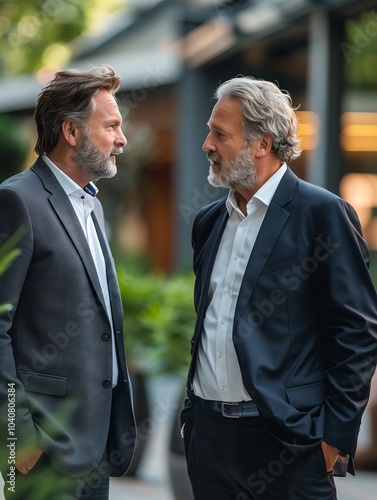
(83, 204)
(217, 374)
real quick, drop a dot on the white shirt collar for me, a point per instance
(264, 194)
(69, 185)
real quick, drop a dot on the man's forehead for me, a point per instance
(225, 112)
(226, 106)
(106, 104)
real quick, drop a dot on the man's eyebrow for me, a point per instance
(113, 121)
(217, 127)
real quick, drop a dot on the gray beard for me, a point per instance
(94, 164)
(240, 173)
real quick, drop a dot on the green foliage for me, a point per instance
(159, 320)
(36, 32)
(8, 254)
(28, 26)
(360, 50)
(13, 149)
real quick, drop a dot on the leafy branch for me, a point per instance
(8, 254)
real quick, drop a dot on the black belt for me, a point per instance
(233, 410)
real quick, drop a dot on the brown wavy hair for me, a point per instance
(69, 96)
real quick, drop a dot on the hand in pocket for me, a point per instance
(27, 459)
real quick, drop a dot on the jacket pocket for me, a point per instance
(283, 263)
(306, 396)
(42, 383)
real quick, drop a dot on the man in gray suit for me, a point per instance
(66, 416)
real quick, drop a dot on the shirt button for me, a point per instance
(235, 257)
(107, 383)
(222, 322)
(243, 224)
(105, 336)
(220, 355)
(228, 291)
(222, 388)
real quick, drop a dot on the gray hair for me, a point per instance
(266, 109)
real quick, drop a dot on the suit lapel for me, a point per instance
(65, 212)
(274, 222)
(114, 293)
(209, 254)
(112, 281)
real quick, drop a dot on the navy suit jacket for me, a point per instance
(55, 345)
(305, 324)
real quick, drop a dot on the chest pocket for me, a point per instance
(284, 263)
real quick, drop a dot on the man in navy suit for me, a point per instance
(285, 341)
(66, 416)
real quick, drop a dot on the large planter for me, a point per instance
(179, 479)
(141, 408)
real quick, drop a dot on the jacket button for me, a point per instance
(107, 383)
(105, 336)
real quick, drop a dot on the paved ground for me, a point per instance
(152, 480)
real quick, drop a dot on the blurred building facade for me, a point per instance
(172, 54)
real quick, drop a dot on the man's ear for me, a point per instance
(264, 145)
(69, 130)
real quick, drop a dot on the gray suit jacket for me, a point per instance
(55, 345)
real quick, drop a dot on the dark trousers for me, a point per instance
(43, 482)
(238, 459)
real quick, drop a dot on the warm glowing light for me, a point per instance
(359, 131)
(57, 54)
(361, 191)
(207, 41)
(47, 73)
(307, 129)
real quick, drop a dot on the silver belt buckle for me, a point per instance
(223, 410)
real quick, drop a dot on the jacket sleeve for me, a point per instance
(347, 315)
(15, 419)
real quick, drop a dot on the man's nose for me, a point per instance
(121, 139)
(207, 145)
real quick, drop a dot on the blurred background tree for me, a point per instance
(13, 147)
(37, 33)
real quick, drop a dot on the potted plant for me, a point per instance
(159, 320)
